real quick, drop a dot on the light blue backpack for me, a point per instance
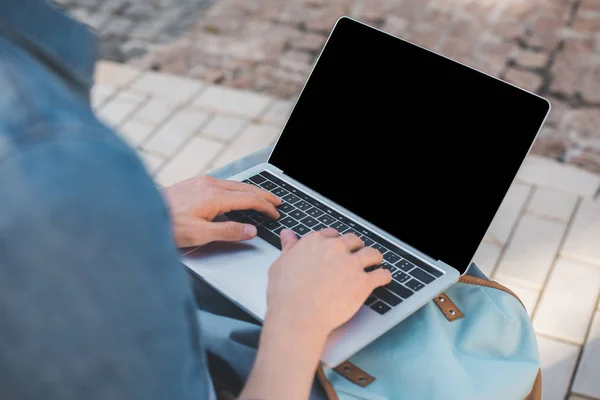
(473, 342)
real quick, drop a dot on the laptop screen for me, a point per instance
(419, 145)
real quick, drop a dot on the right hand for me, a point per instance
(319, 282)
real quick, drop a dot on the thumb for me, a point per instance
(231, 231)
(379, 277)
(288, 239)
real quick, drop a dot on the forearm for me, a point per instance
(285, 364)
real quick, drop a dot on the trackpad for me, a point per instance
(238, 270)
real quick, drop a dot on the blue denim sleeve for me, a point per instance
(94, 303)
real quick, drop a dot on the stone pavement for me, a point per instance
(128, 28)
(547, 46)
(544, 242)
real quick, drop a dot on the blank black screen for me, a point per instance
(419, 145)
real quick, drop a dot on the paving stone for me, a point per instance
(278, 113)
(530, 59)
(558, 361)
(233, 101)
(586, 381)
(528, 297)
(154, 112)
(176, 131)
(254, 138)
(524, 79)
(190, 161)
(568, 302)
(583, 239)
(169, 89)
(101, 93)
(531, 251)
(151, 161)
(136, 132)
(118, 75)
(542, 172)
(552, 204)
(119, 109)
(486, 257)
(224, 127)
(509, 211)
(118, 26)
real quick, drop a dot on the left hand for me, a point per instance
(195, 202)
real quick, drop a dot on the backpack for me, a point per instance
(473, 342)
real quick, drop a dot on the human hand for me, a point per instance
(319, 282)
(195, 202)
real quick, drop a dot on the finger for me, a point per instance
(379, 277)
(352, 242)
(230, 231)
(329, 232)
(368, 257)
(236, 200)
(245, 187)
(288, 239)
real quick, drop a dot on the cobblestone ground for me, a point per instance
(128, 28)
(547, 46)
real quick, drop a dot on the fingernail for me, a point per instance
(250, 231)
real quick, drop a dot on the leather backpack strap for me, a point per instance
(536, 390)
(327, 386)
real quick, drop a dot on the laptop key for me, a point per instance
(405, 265)
(379, 247)
(272, 225)
(278, 230)
(387, 296)
(354, 225)
(399, 289)
(301, 229)
(368, 242)
(268, 185)
(249, 182)
(380, 307)
(297, 214)
(310, 221)
(401, 276)
(280, 192)
(302, 205)
(291, 198)
(269, 237)
(259, 218)
(315, 212)
(257, 179)
(288, 222)
(350, 230)
(285, 207)
(319, 227)
(391, 257)
(340, 227)
(326, 219)
(414, 285)
(370, 300)
(421, 275)
(389, 267)
(234, 215)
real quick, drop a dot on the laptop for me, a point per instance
(411, 151)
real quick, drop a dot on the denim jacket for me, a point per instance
(94, 303)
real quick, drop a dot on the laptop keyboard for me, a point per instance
(303, 214)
